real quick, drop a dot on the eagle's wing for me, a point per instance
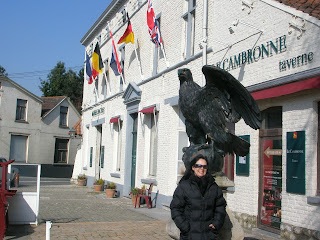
(240, 99)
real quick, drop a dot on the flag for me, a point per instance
(128, 35)
(114, 62)
(153, 25)
(97, 64)
(89, 76)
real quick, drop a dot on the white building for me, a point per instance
(35, 130)
(133, 131)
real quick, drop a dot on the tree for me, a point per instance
(3, 71)
(64, 83)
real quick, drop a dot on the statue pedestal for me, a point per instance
(231, 229)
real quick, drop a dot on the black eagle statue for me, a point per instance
(208, 109)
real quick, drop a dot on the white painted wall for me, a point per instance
(266, 15)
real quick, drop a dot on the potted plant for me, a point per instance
(133, 194)
(82, 180)
(110, 189)
(98, 184)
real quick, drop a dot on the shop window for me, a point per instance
(61, 150)
(21, 110)
(63, 116)
(272, 118)
(189, 18)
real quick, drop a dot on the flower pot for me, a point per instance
(82, 182)
(97, 188)
(133, 199)
(110, 193)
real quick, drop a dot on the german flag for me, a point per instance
(128, 35)
(97, 64)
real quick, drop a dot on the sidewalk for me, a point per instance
(79, 213)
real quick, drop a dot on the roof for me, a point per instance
(22, 89)
(311, 7)
(77, 127)
(49, 103)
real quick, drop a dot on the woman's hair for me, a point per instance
(189, 171)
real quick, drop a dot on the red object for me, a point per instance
(4, 193)
(147, 110)
(114, 119)
(287, 89)
(147, 196)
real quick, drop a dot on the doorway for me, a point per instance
(270, 192)
(134, 148)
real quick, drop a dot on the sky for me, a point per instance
(36, 34)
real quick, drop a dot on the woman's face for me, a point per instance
(200, 168)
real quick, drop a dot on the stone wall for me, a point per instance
(246, 221)
(298, 233)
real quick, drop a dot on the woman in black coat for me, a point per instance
(198, 207)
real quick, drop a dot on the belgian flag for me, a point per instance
(97, 64)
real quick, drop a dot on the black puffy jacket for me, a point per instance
(193, 213)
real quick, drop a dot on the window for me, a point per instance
(157, 53)
(63, 116)
(318, 171)
(21, 110)
(189, 18)
(122, 50)
(102, 157)
(61, 150)
(153, 145)
(18, 148)
(117, 126)
(272, 117)
(91, 150)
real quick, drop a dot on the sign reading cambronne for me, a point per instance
(252, 55)
(98, 111)
(296, 162)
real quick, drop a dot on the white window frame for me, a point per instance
(189, 28)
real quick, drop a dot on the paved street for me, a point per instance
(79, 213)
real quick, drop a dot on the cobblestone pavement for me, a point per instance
(79, 213)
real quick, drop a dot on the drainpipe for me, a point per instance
(204, 37)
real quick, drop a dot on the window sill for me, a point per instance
(315, 200)
(115, 175)
(149, 181)
(63, 126)
(60, 163)
(21, 121)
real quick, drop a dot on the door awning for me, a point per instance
(287, 89)
(147, 110)
(114, 119)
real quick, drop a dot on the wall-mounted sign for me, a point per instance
(294, 62)
(296, 162)
(242, 163)
(252, 55)
(98, 111)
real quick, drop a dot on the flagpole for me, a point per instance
(164, 54)
(107, 80)
(139, 64)
(95, 89)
